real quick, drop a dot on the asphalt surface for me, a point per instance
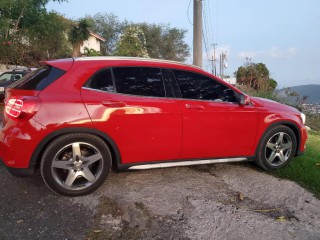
(222, 201)
(28, 210)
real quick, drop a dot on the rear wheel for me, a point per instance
(75, 164)
(277, 148)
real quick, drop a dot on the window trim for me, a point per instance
(168, 83)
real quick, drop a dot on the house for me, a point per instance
(93, 42)
(230, 80)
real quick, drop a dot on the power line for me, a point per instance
(208, 34)
(210, 22)
(188, 13)
(205, 32)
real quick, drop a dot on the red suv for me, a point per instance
(74, 119)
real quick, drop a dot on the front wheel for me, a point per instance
(277, 148)
(75, 164)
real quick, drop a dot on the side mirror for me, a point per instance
(244, 100)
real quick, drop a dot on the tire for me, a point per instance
(277, 148)
(75, 164)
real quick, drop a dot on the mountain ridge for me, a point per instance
(312, 91)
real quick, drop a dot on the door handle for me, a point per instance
(114, 104)
(190, 106)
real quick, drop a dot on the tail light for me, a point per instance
(22, 107)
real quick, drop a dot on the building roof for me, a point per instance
(98, 36)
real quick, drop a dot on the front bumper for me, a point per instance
(303, 141)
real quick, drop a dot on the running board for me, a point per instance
(187, 163)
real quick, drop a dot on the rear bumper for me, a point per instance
(17, 145)
(20, 172)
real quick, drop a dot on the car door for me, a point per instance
(133, 106)
(215, 125)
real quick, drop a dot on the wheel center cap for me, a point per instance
(77, 165)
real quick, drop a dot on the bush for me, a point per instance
(313, 121)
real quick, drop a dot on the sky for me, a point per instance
(283, 34)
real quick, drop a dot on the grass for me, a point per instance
(305, 169)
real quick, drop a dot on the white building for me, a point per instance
(93, 42)
(230, 80)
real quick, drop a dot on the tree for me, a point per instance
(78, 34)
(91, 52)
(110, 27)
(165, 42)
(16, 14)
(24, 29)
(161, 40)
(256, 76)
(132, 43)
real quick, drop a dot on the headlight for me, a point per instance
(303, 118)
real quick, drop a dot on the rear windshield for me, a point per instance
(38, 79)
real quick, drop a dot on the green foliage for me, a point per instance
(91, 52)
(29, 33)
(165, 42)
(109, 26)
(305, 169)
(78, 34)
(256, 76)
(132, 43)
(161, 41)
(273, 84)
(313, 121)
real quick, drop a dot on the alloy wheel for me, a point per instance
(278, 149)
(77, 166)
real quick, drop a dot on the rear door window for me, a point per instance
(142, 81)
(38, 79)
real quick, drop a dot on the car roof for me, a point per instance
(138, 59)
(67, 63)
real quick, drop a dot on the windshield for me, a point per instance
(7, 77)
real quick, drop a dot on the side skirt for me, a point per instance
(181, 163)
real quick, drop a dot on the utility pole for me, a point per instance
(197, 33)
(222, 64)
(214, 60)
(220, 61)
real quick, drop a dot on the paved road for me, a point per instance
(29, 211)
(225, 201)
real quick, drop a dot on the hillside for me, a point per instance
(311, 90)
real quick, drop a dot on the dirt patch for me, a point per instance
(131, 221)
(110, 222)
(225, 201)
